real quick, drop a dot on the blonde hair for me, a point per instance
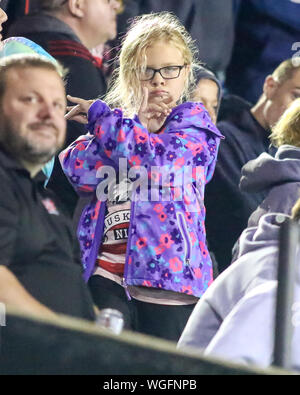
(285, 70)
(125, 91)
(287, 129)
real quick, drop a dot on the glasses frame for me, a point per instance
(162, 68)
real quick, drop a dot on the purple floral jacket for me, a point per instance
(166, 245)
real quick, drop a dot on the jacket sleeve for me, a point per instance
(113, 137)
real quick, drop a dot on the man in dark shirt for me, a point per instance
(68, 30)
(246, 129)
(39, 264)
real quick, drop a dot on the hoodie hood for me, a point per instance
(266, 234)
(265, 172)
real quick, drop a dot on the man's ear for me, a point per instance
(77, 8)
(270, 87)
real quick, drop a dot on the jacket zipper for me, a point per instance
(124, 282)
(187, 241)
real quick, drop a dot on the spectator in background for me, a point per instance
(279, 176)
(246, 129)
(267, 32)
(208, 91)
(40, 271)
(235, 319)
(68, 30)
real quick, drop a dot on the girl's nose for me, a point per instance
(157, 79)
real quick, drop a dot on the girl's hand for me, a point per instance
(79, 111)
(154, 111)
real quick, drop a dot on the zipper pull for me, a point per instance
(125, 286)
(187, 261)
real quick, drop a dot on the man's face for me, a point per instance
(281, 97)
(100, 21)
(32, 123)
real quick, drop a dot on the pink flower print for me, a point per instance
(85, 188)
(181, 134)
(196, 110)
(141, 242)
(99, 131)
(193, 238)
(156, 140)
(80, 147)
(121, 136)
(175, 264)
(96, 210)
(191, 146)
(147, 284)
(179, 163)
(159, 250)
(79, 164)
(188, 217)
(211, 278)
(162, 217)
(98, 164)
(198, 174)
(177, 193)
(135, 161)
(158, 208)
(166, 240)
(187, 290)
(139, 135)
(198, 273)
(187, 200)
(203, 249)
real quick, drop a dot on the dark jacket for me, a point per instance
(267, 33)
(228, 209)
(84, 79)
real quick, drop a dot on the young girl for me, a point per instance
(147, 258)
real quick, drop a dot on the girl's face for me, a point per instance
(172, 81)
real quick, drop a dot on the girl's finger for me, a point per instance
(74, 111)
(79, 118)
(77, 100)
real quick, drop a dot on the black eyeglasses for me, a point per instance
(167, 73)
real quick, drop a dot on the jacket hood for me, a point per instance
(199, 118)
(266, 234)
(265, 172)
(41, 23)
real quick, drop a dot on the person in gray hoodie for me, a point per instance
(235, 319)
(279, 176)
(256, 264)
